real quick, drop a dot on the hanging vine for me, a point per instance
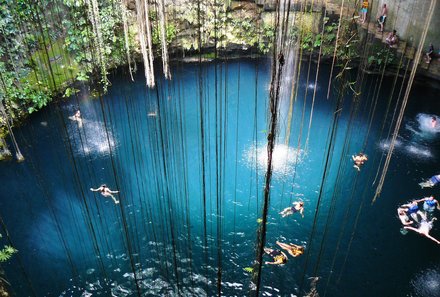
(126, 39)
(93, 13)
(163, 39)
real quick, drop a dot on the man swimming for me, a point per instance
(432, 181)
(298, 206)
(429, 204)
(106, 192)
(359, 160)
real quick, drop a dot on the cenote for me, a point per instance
(247, 148)
(173, 234)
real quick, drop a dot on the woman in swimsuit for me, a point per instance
(106, 192)
(293, 249)
(298, 206)
(279, 258)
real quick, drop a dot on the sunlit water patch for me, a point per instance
(93, 139)
(284, 158)
(426, 283)
(408, 148)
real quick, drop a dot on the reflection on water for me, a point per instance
(284, 158)
(93, 139)
(414, 140)
(427, 283)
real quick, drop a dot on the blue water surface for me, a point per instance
(189, 159)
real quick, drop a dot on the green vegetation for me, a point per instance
(381, 55)
(46, 46)
(6, 253)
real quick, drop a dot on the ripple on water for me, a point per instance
(426, 283)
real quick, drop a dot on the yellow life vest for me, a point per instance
(280, 258)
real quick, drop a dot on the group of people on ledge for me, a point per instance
(415, 219)
(278, 256)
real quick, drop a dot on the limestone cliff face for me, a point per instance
(231, 26)
(407, 17)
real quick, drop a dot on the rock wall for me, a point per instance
(407, 17)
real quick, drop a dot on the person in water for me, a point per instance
(106, 192)
(359, 160)
(429, 204)
(433, 122)
(423, 229)
(279, 258)
(298, 206)
(77, 118)
(403, 217)
(293, 249)
(432, 181)
(412, 210)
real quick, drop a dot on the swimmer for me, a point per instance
(313, 291)
(433, 122)
(432, 181)
(359, 160)
(279, 258)
(403, 217)
(106, 192)
(77, 118)
(293, 249)
(429, 204)
(298, 206)
(423, 229)
(412, 209)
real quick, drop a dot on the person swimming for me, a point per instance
(77, 118)
(431, 182)
(403, 217)
(433, 122)
(412, 210)
(106, 192)
(298, 206)
(424, 228)
(293, 249)
(359, 160)
(279, 258)
(429, 204)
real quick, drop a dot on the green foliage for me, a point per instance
(22, 95)
(6, 253)
(268, 34)
(69, 92)
(380, 54)
(248, 269)
(170, 31)
(80, 40)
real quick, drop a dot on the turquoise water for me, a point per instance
(180, 219)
